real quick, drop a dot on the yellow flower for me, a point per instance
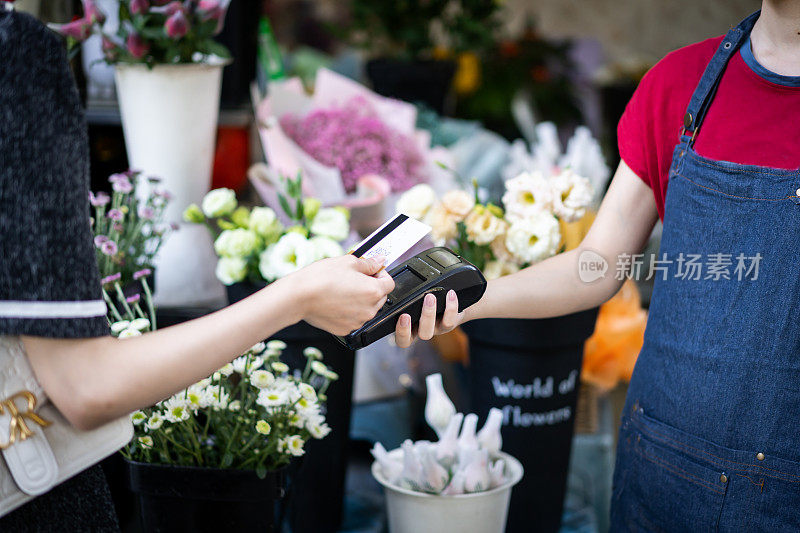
(468, 74)
(263, 427)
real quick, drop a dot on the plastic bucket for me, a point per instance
(480, 512)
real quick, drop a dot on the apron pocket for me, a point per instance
(665, 489)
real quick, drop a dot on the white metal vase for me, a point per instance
(169, 117)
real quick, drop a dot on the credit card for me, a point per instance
(392, 239)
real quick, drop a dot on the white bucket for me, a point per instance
(479, 512)
(169, 117)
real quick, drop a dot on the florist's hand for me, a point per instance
(428, 325)
(343, 292)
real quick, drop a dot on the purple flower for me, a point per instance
(109, 248)
(111, 279)
(99, 199)
(177, 25)
(115, 214)
(146, 212)
(78, 29)
(139, 7)
(133, 299)
(117, 227)
(92, 13)
(100, 240)
(119, 176)
(142, 273)
(136, 45)
(123, 186)
(174, 226)
(174, 7)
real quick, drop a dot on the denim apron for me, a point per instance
(710, 434)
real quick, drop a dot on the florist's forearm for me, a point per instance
(93, 381)
(547, 289)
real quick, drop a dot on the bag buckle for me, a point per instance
(18, 427)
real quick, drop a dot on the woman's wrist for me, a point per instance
(288, 300)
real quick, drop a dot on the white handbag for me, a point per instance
(40, 449)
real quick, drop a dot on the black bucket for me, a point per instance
(318, 481)
(530, 369)
(185, 498)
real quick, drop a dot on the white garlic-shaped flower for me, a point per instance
(489, 437)
(447, 447)
(468, 441)
(391, 468)
(439, 409)
(435, 476)
(456, 485)
(411, 475)
(497, 473)
(476, 472)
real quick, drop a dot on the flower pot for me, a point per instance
(183, 498)
(318, 481)
(530, 370)
(480, 512)
(169, 118)
(426, 81)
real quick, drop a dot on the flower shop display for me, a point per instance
(528, 369)
(345, 139)
(462, 482)
(129, 225)
(168, 75)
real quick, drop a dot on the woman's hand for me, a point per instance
(428, 325)
(342, 293)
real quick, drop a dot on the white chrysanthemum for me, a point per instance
(264, 222)
(237, 242)
(572, 194)
(416, 201)
(291, 253)
(319, 367)
(257, 348)
(297, 421)
(141, 324)
(176, 413)
(307, 392)
(330, 222)
(235, 405)
(276, 344)
(319, 431)
(291, 445)
(138, 417)
(527, 194)
(313, 353)
(155, 421)
(272, 398)
(205, 382)
(240, 362)
(499, 268)
(119, 326)
(196, 398)
(226, 370)
(261, 379)
(146, 442)
(263, 427)
(219, 203)
(331, 375)
(483, 226)
(217, 398)
(231, 270)
(534, 238)
(280, 368)
(326, 247)
(128, 333)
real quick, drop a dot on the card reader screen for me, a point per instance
(406, 281)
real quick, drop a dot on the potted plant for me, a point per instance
(407, 63)
(168, 76)
(461, 483)
(528, 369)
(254, 249)
(213, 456)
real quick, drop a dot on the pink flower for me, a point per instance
(92, 13)
(100, 240)
(146, 212)
(212, 10)
(139, 7)
(133, 299)
(123, 186)
(78, 29)
(109, 248)
(111, 279)
(116, 215)
(117, 227)
(137, 46)
(142, 273)
(98, 199)
(177, 25)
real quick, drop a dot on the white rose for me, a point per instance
(527, 194)
(219, 202)
(483, 227)
(231, 270)
(236, 243)
(534, 238)
(326, 247)
(572, 194)
(416, 201)
(264, 222)
(292, 252)
(498, 269)
(332, 223)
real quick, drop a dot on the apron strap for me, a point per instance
(704, 93)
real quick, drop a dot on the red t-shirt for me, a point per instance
(750, 121)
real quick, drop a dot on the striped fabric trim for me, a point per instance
(80, 309)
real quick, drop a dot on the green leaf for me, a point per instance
(261, 471)
(227, 460)
(285, 205)
(213, 47)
